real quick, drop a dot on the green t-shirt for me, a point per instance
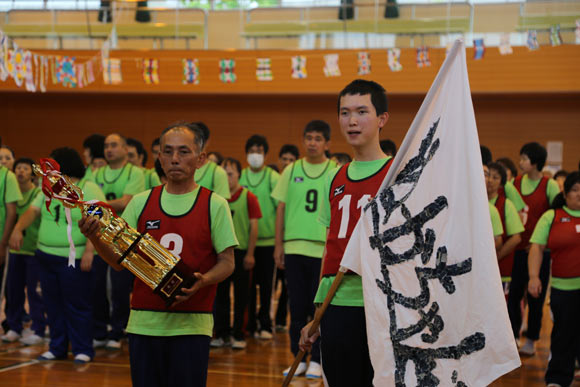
(155, 323)
(496, 225)
(513, 223)
(214, 178)
(52, 236)
(262, 184)
(350, 291)
(151, 178)
(511, 192)
(9, 193)
(89, 174)
(31, 233)
(301, 188)
(128, 180)
(529, 186)
(540, 237)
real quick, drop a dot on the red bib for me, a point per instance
(347, 200)
(506, 264)
(187, 236)
(564, 245)
(536, 204)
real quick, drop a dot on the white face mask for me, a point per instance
(256, 160)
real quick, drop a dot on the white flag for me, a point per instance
(434, 305)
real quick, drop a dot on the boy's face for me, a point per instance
(286, 159)
(233, 175)
(525, 164)
(315, 144)
(23, 173)
(358, 120)
(259, 149)
(133, 157)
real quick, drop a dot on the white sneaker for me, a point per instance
(99, 343)
(47, 356)
(527, 348)
(239, 344)
(81, 358)
(553, 385)
(216, 343)
(11, 336)
(299, 370)
(33, 339)
(113, 344)
(314, 370)
(265, 335)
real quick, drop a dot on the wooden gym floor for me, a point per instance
(260, 364)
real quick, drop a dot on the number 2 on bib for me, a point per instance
(344, 206)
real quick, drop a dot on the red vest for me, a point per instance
(347, 200)
(187, 236)
(564, 245)
(536, 204)
(506, 264)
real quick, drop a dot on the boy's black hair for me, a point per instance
(536, 153)
(289, 148)
(342, 158)
(318, 126)
(508, 164)
(363, 87)
(571, 179)
(198, 137)
(158, 169)
(499, 169)
(486, 157)
(561, 173)
(232, 161)
(96, 145)
(219, 157)
(70, 162)
(23, 160)
(140, 149)
(258, 140)
(204, 130)
(155, 143)
(388, 147)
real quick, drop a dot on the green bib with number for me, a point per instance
(304, 198)
(113, 181)
(205, 176)
(31, 233)
(241, 218)
(262, 186)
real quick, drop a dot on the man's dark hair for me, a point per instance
(198, 138)
(499, 169)
(318, 126)
(234, 162)
(23, 160)
(140, 149)
(155, 143)
(159, 169)
(96, 145)
(289, 148)
(388, 147)
(560, 173)
(486, 157)
(219, 156)
(536, 153)
(70, 162)
(508, 164)
(258, 140)
(342, 158)
(204, 129)
(364, 87)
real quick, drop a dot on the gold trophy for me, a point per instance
(139, 253)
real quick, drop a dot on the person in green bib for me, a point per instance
(9, 196)
(559, 230)
(245, 210)
(94, 154)
(299, 237)
(66, 291)
(169, 346)
(137, 155)
(210, 175)
(510, 168)
(23, 267)
(261, 180)
(120, 181)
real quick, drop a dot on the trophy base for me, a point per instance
(181, 276)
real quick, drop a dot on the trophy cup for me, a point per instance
(139, 253)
